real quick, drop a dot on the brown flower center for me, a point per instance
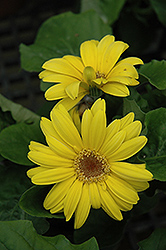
(100, 75)
(90, 166)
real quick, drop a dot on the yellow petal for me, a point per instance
(97, 130)
(129, 171)
(50, 76)
(72, 90)
(133, 130)
(60, 148)
(139, 185)
(68, 103)
(62, 66)
(123, 69)
(122, 189)
(124, 206)
(66, 129)
(88, 51)
(75, 61)
(132, 60)
(48, 129)
(101, 48)
(49, 160)
(95, 198)
(85, 127)
(116, 89)
(57, 193)
(58, 208)
(98, 104)
(33, 171)
(52, 176)
(56, 92)
(72, 199)
(126, 120)
(109, 204)
(83, 208)
(123, 80)
(36, 146)
(111, 56)
(114, 143)
(111, 130)
(128, 149)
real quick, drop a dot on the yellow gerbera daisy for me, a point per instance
(88, 169)
(98, 67)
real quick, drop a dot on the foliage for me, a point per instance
(142, 25)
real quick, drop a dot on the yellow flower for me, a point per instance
(88, 170)
(98, 67)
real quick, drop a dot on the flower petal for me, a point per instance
(133, 130)
(66, 129)
(95, 198)
(68, 103)
(58, 208)
(72, 199)
(62, 66)
(75, 61)
(48, 129)
(72, 89)
(60, 148)
(116, 89)
(122, 189)
(85, 127)
(129, 171)
(50, 76)
(138, 185)
(124, 206)
(98, 104)
(111, 56)
(88, 51)
(111, 130)
(48, 160)
(101, 48)
(57, 193)
(114, 143)
(126, 120)
(123, 69)
(132, 60)
(128, 149)
(97, 130)
(109, 204)
(52, 176)
(33, 171)
(56, 92)
(36, 146)
(83, 208)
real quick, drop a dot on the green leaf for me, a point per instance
(18, 112)
(155, 72)
(159, 7)
(14, 141)
(154, 153)
(22, 235)
(13, 182)
(5, 119)
(156, 241)
(106, 230)
(32, 202)
(131, 106)
(108, 10)
(61, 35)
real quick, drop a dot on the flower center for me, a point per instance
(90, 166)
(100, 75)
